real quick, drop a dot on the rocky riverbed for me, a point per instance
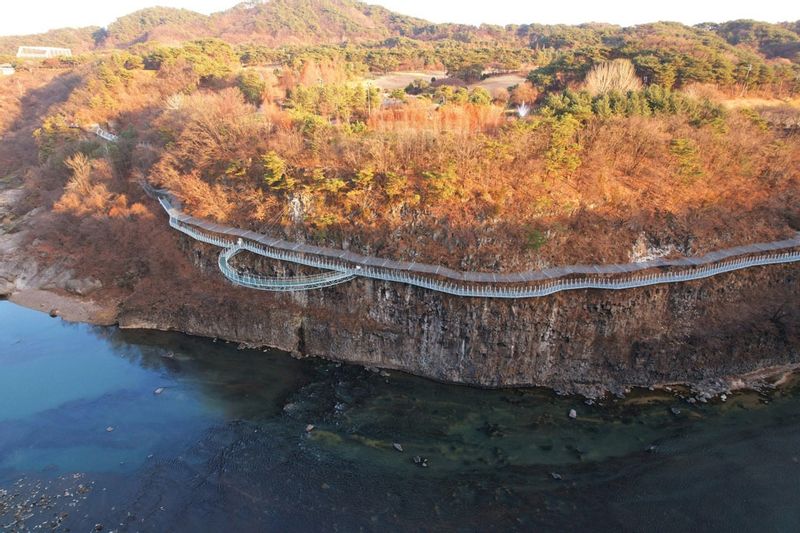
(150, 431)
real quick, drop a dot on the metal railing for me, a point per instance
(280, 284)
(234, 241)
(103, 134)
(489, 290)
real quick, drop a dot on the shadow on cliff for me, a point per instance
(17, 145)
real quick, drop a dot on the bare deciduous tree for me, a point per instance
(617, 75)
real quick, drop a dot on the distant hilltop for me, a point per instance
(278, 23)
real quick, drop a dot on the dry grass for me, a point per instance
(500, 82)
(751, 103)
(400, 80)
(420, 115)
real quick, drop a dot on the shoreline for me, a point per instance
(77, 310)
(67, 307)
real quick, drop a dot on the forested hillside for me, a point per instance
(609, 143)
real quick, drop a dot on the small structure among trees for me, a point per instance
(42, 52)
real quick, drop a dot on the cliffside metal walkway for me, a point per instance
(288, 284)
(234, 241)
(340, 266)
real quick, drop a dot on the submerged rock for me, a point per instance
(420, 461)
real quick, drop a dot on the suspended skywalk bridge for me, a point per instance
(340, 266)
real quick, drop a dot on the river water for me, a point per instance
(145, 431)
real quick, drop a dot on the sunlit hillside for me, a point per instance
(484, 148)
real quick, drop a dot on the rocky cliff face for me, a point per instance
(580, 341)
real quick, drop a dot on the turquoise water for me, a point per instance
(206, 437)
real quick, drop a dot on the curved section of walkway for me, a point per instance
(276, 284)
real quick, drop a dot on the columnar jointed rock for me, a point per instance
(586, 340)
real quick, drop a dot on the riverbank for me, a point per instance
(704, 333)
(74, 309)
(67, 307)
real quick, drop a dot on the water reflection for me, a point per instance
(224, 444)
(241, 383)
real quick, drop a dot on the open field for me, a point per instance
(499, 82)
(744, 103)
(399, 80)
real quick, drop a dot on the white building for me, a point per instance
(6, 69)
(42, 52)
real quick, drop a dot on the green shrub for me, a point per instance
(687, 157)
(535, 239)
(252, 86)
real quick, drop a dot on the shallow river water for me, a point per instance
(145, 431)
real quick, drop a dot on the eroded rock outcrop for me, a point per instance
(581, 341)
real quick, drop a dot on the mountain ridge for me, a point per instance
(273, 23)
(277, 23)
